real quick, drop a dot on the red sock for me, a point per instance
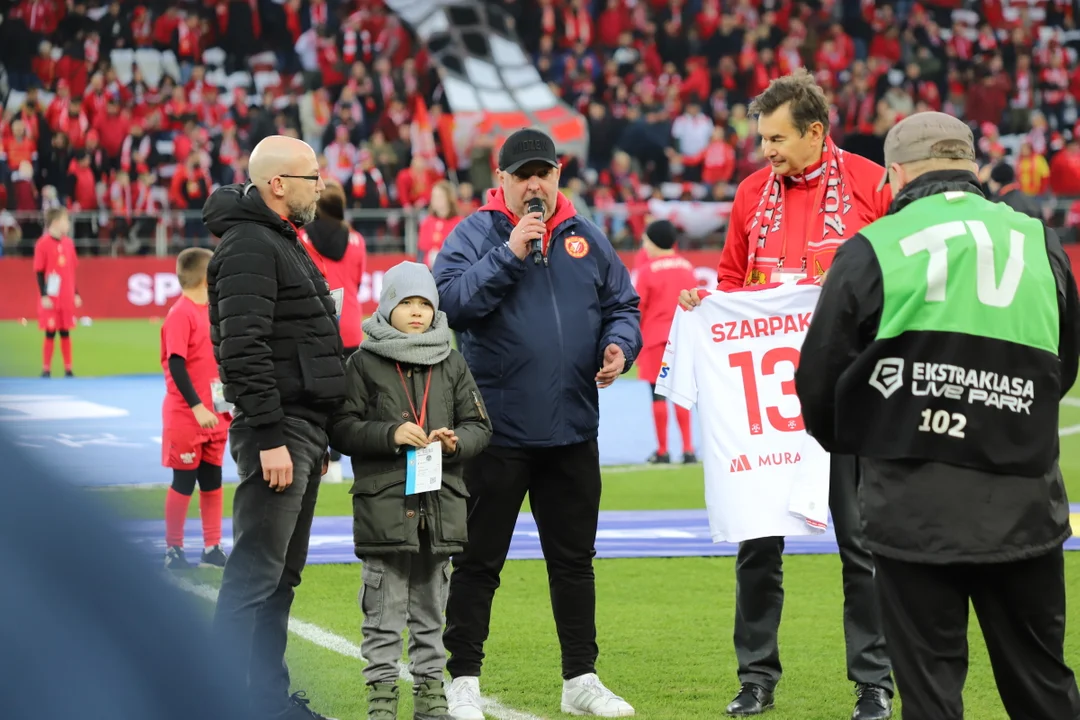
(176, 508)
(65, 350)
(47, 353)
(682, 415)
(210, 509)
(659, 414)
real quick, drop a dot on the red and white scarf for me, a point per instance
(770, 208)
(359, 185)
(122, 200)
(128, 150)
(144, 200)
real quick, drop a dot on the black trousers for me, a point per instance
(1021, 609)
(563, 484)
(759, 594)
(271, 531)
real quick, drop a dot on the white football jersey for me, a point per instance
(734, 357)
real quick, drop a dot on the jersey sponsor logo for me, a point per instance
(760, 327)
(577, 246)
(742, 463)
(664, 368)
(888, 376)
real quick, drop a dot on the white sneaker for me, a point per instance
(333, 473)
(463, 698)
(586, 695)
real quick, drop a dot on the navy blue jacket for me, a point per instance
(534, 335)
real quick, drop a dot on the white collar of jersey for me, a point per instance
(812, 175)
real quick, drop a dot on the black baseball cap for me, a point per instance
(526, 146)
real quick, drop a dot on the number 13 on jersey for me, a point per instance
(765, 365)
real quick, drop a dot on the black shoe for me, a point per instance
(298, 709)
(46, 374)
(213, 557)
(874, 703)
(68, 373)
(659, 459)
(175, 559)
(751, 700)
(689, 458)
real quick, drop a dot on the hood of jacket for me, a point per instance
(329, 236)
(934, 183)
(231, 205)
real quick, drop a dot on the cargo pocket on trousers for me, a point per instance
(444, 591)
(371, 596)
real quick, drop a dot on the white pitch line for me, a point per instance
(1070, 401)
(1071, 430)
(343, 646)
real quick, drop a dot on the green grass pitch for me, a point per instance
(665, 625)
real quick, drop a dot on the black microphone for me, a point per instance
(536, 247)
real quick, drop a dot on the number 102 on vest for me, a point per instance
(943, 422)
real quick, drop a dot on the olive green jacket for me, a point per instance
(385, 519)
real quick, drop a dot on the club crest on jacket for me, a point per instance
(577, 246)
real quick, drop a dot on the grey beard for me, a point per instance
(303, 216)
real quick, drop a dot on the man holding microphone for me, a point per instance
(546, 314)
(786, 223)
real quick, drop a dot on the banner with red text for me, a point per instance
(145, 287)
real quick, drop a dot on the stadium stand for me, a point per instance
(130, 112)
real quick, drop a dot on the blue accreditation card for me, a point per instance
(424, 469)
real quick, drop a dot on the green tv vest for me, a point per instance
(963, 368)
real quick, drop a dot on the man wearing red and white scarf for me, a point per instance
(786, 223)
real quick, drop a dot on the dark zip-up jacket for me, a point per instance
(918, 511)
(385, 519)
(534, 334)
(1019, 201)
(272, 320)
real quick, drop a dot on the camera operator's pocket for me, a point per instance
(379, 510)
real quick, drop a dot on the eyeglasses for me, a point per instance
(298, 177)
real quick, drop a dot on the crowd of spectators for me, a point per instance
(125, 109)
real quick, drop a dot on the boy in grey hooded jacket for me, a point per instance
(406, 389)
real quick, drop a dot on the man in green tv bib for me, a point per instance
(946, 334)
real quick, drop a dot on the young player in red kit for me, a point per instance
(660, 277)
(54, 263)
(194, 435)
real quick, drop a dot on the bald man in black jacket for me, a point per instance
(274, 328)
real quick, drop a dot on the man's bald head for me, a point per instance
(280, 154)
(286, 173)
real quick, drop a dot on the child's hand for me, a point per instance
(204, 417)
(446, 437)
(410, 434)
